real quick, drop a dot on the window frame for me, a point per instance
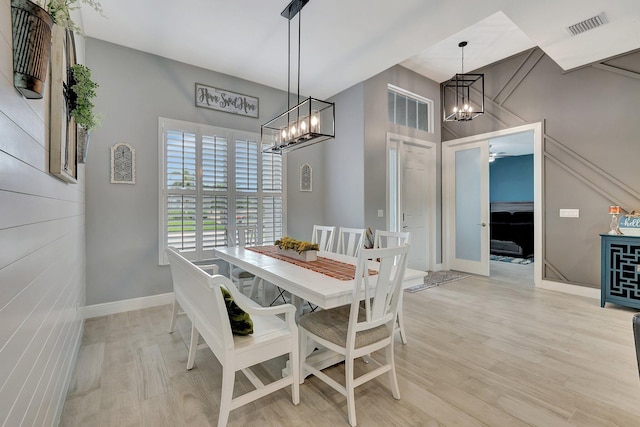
(418, 99)
(231, 193)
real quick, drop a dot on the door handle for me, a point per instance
(482, 224)
(405, 226)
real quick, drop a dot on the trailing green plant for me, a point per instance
(83, 90)
(60, 11)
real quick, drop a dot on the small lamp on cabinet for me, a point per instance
(614, 211)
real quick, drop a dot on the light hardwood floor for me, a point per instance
(481, 352)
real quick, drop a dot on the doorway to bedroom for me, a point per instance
(511, 208)
(467, 206)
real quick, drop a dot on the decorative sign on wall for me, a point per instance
(306, 178)
(224, 100)
(123, 164)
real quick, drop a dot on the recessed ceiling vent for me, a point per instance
(587, 24)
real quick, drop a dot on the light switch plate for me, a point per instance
(380, 213)
(569, 213)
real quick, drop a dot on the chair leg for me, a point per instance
(228, 378)
(302, 339)
(393, 379)
(174, 316)
(294, 361)
(403, 333)
(193, 346)
(255, 288)
(350, 390)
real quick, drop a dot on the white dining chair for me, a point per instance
(350, 241)
(361, 328)
(242, 235)
(391, 239)
(323, 235)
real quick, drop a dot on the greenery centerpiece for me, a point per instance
(304, 251)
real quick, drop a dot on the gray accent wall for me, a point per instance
(591, 148)
(42, 257)
(137, 88)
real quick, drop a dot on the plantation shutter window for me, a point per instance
(213, 178)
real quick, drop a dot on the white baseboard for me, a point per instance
(105, 309)
(567, 288)
(438, 267)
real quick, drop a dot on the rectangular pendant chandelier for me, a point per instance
(309, 122)
(457, 104)
(458, 97)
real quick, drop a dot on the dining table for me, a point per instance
(325, 283)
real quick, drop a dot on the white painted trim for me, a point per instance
(537, 190)
(567, 288)
(398, 142)
(114, 307)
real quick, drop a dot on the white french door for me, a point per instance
(466, 206)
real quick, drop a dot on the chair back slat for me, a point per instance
(350, 241)
(323, 235)
(390, 239)
(380, 302)
(198, 292)
(243, 235)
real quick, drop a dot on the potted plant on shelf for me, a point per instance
(31, 24)
(82, 90)
(303, 251)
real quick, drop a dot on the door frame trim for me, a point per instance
(393, 138)
(538, 248)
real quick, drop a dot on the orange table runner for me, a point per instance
(329, 267)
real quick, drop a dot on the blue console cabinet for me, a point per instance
(620, 273)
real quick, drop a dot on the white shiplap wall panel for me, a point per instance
(42, 258)
(26, 312)
(20, 209)
(15, 396)
(13, 171)
(22, 146)
(25, 243)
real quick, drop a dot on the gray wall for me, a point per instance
(122, 220)
(590, 148)
(42, 258)
(376, 126)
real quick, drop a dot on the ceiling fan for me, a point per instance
(498, 155)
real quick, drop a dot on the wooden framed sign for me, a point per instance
(227, 101)
(62, 126)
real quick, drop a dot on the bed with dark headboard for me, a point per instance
(512, 228)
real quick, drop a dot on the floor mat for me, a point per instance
(437, 278)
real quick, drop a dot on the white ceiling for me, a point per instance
(347, 41)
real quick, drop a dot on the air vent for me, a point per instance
(587, 24)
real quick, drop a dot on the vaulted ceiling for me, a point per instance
(344, 42)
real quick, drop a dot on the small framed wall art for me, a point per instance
(306, 178)
(123, 164)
